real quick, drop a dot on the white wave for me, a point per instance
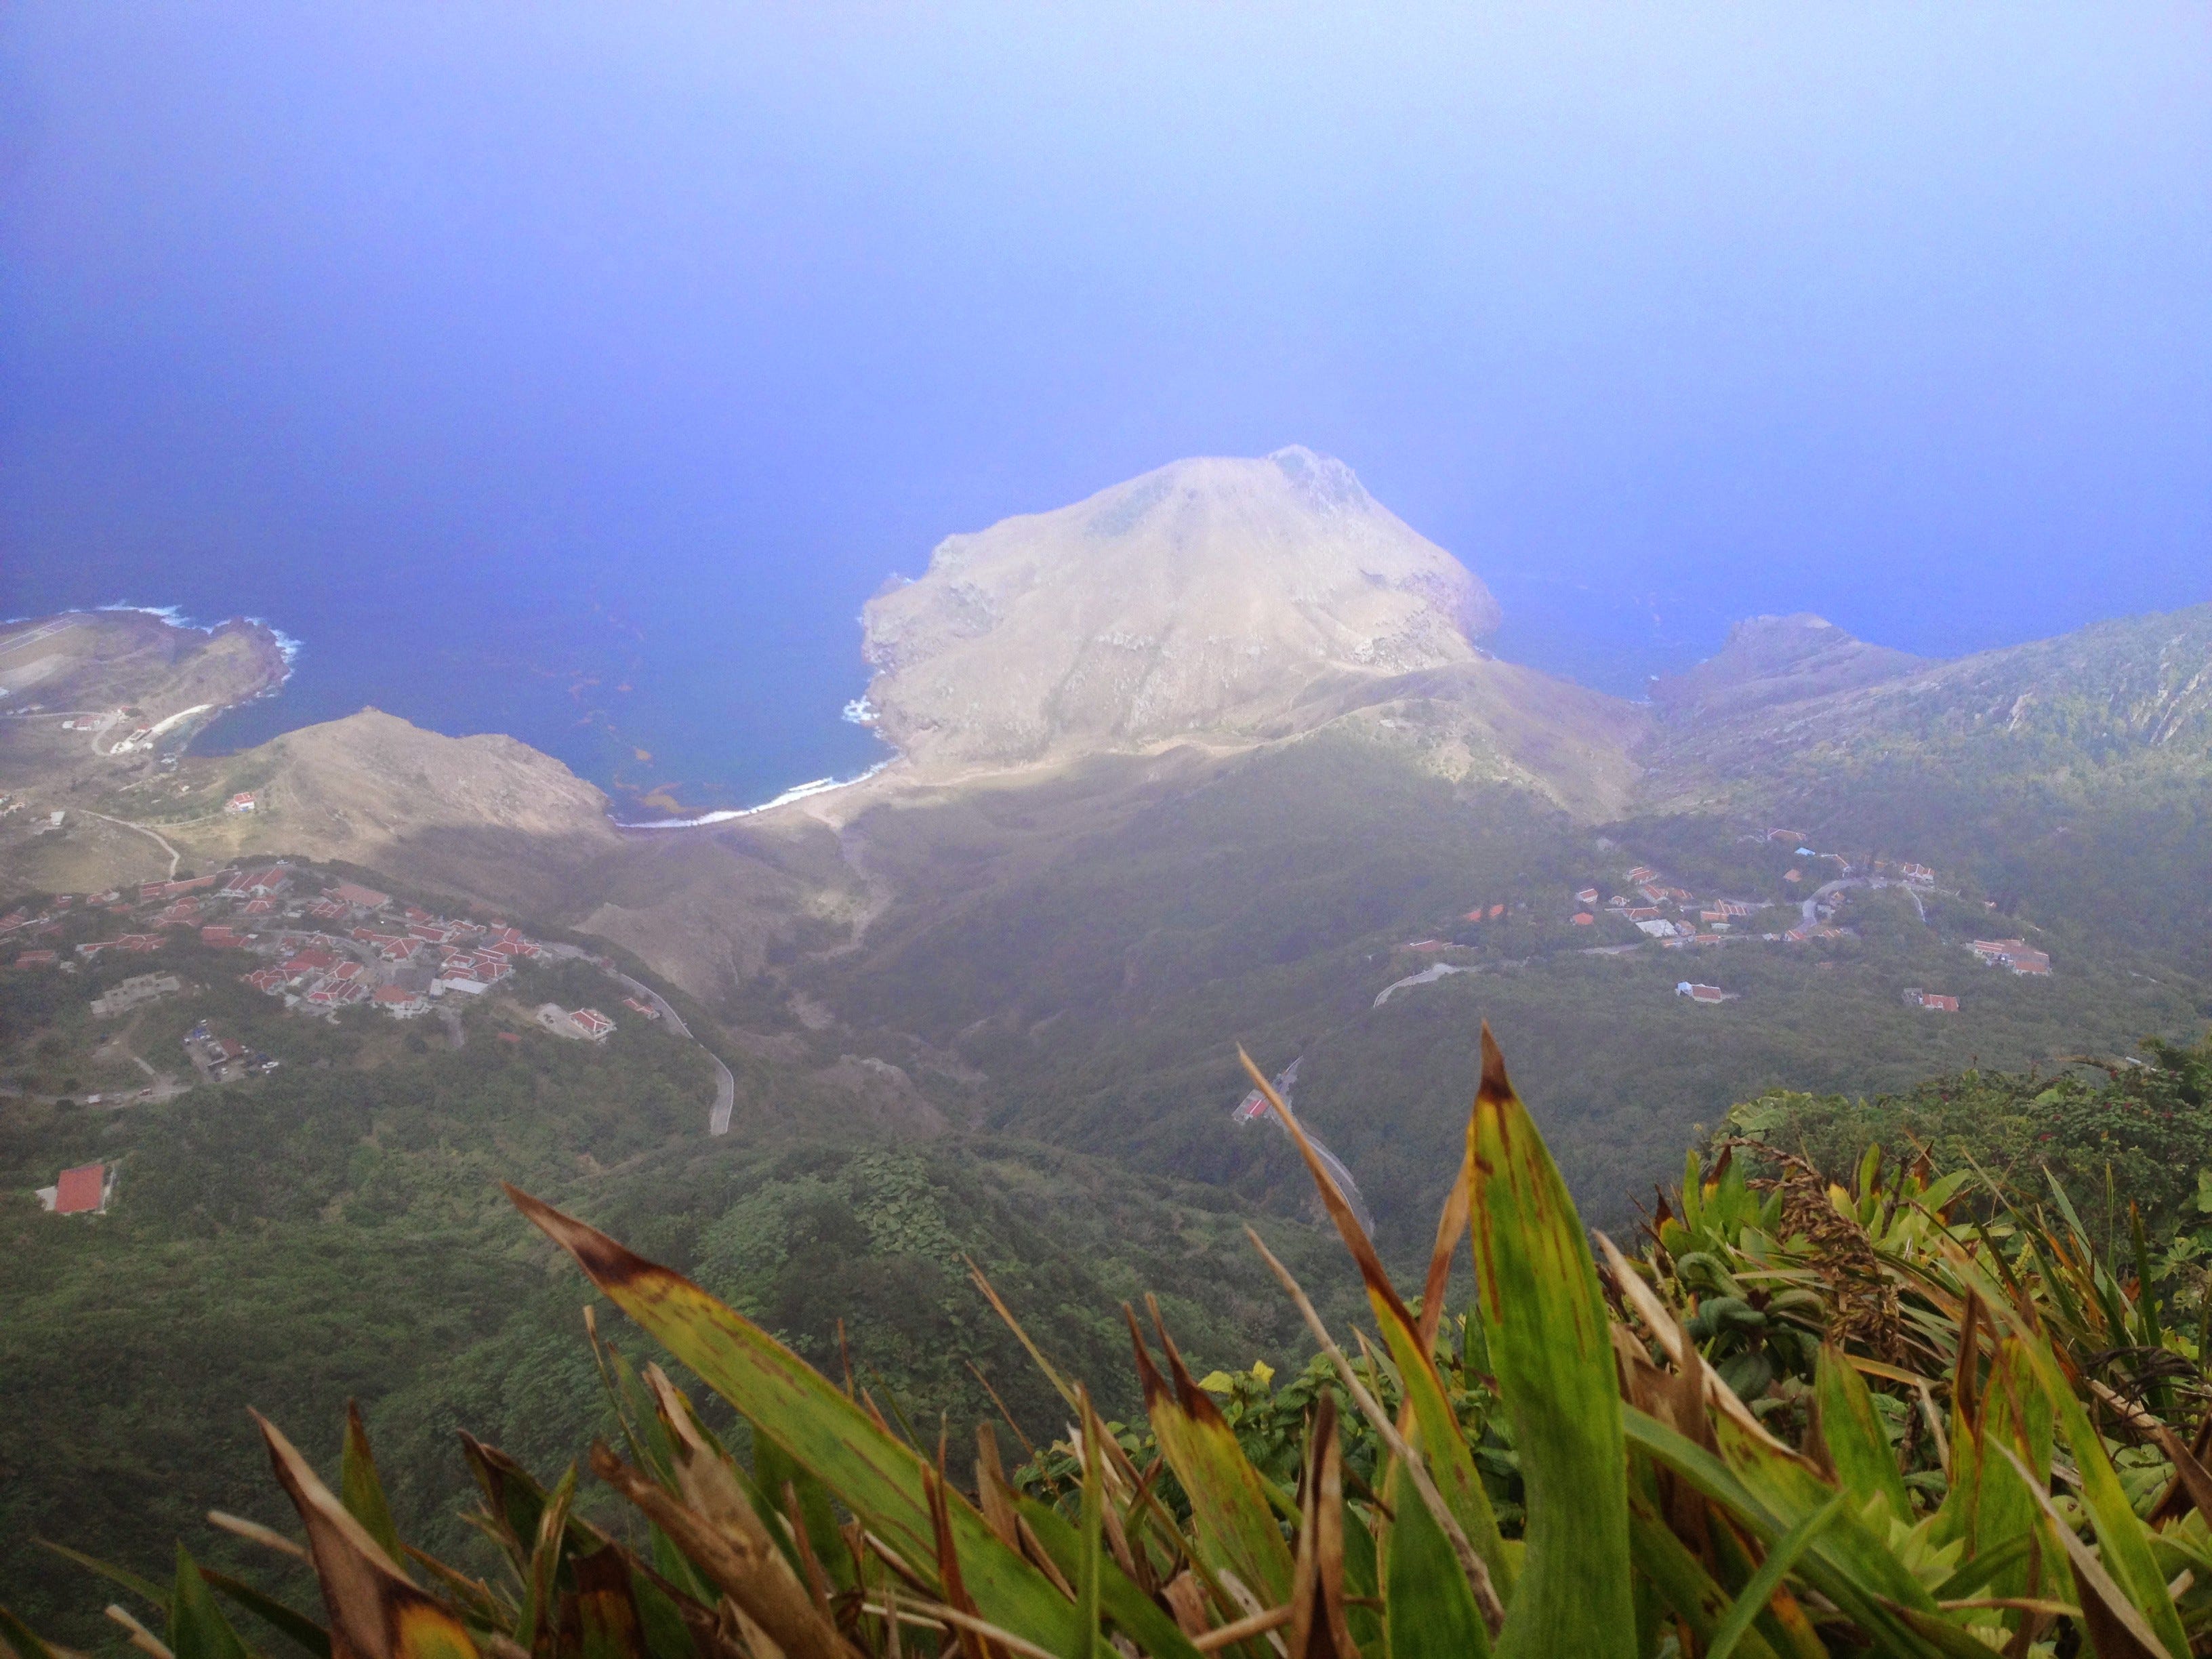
(861, 712)
(730, 815)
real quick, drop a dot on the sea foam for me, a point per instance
(730, 815)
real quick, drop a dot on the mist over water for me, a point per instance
(577, 374)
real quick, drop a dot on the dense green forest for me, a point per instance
(336, 1230)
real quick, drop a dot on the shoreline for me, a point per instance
(731, 814)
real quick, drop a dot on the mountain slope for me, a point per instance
(1202, 597)
(2072, 775)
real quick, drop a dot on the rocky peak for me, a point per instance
(1202, 597)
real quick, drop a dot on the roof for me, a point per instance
(81, 1190)
(389, 993)
(368, 898)
(593, 1020)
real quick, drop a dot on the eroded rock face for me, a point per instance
(1203, 597)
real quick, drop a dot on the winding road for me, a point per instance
(158, 841)
(726, 1085)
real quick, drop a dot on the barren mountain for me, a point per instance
(1203, 597)
(485, 815)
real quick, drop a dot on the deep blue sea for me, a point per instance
(696, 697)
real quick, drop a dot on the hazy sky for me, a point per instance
(1902, 313)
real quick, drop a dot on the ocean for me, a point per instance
(679, 699)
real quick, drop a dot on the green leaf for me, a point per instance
(665, 1634)
(1840, 1574)
(541, 1586)
(144, 1588)
(1137, 1615)
(1551, 1350)
(1090, 1552)
(1780, 1558)
(1429, 1610)
(1858, 1447)
(773, 1472)
(360, 1490)
(26, 1641)
(1232, 1521)
(302, 1632)
(1450, 1462)
(2124, 1541)
(876, 1476)
(1684, 1586)
(197, 1629)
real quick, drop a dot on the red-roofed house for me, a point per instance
(36, 959)
(313, 960)
(1584, 919)
(266, 884)
(1701, 993)
(398, 1001)
(592, 1023)
(222, 938)
(1496, 911)
(1588, 895)
(81, 1191)
(645, 1008)
(270, 981)
(365, 898)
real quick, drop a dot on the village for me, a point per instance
(321, 946)
(1672, 918)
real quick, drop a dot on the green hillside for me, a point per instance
(336, 1230)
(1099, 991)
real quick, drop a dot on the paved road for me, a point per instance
(725, 1086)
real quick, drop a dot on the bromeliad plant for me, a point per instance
(1658, 1513)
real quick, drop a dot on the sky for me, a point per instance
(507, 355)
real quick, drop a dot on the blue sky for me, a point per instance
(1655, 316)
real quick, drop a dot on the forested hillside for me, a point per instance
(336, 1230)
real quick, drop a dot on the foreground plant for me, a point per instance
(1657, 1511)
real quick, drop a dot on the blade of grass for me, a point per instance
(359, 1487)
(197, 1629)
(297, 1628)
(1551, 1350)
(1780, 1558)
(784, 1398)
(375, 1610)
